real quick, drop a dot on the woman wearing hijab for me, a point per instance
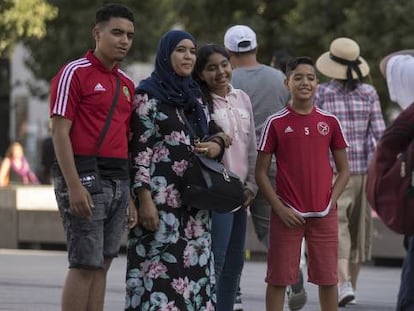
(169, 261)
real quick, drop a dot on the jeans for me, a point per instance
(406, 294)
(228, 236)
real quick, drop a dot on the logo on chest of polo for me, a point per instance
(99, 88)
(322, 128)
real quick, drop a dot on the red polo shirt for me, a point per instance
(82, 92)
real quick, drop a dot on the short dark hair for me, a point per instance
(107, 11)
(296, 61)
(280, 58)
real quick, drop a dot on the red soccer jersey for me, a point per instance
(82, 92)
(301, 145)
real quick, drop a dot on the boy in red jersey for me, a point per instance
(81, 95)
(304, 201)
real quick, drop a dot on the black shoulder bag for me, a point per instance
(208, 184)
(87, 166)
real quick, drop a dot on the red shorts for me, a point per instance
(321, 235)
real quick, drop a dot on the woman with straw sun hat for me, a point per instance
(356, 105)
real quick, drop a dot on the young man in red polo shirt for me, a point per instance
(304, 199)
(81, 96)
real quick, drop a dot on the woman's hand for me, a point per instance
(147, 212)
(148, 216)
(210, 149)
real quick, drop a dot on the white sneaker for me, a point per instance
(346, 294)
(296, 300)
(238, 307)
(238, 302)
(297, 294)
(354, 301)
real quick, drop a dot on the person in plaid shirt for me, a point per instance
(357, 106)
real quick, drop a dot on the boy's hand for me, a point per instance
(289, 217)
(132, 214)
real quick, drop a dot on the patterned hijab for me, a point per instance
(174, 90)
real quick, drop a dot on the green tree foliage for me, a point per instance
(69, 35)
(304, 27)
(23, 19)
(207, 20)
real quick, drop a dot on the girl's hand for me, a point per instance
(226, 139)
(249, 198)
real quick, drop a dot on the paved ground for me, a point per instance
(31, 281)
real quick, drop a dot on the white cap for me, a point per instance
(240, 38)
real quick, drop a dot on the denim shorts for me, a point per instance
(90, 240)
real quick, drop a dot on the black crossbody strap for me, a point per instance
(189, 127)
(110, 114)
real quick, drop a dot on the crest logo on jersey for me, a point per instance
(99, 88)
(323, 128)
(126, 93)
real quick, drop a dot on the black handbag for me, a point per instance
(209, 185)
(87, 166)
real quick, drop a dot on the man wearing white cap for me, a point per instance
(356, 105)
(398, 69)
(268, 94)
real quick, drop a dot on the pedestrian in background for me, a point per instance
(268, 94)
(398, 69)
(356, 105)
(81, 96)
(280, 58)
(15, 169)
(231, 111)
(304, 199)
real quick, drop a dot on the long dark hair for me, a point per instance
(203, 55)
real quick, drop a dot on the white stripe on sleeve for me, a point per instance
(59, 107)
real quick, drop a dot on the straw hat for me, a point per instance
(342, 60)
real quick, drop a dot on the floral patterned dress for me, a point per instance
(171, 269)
